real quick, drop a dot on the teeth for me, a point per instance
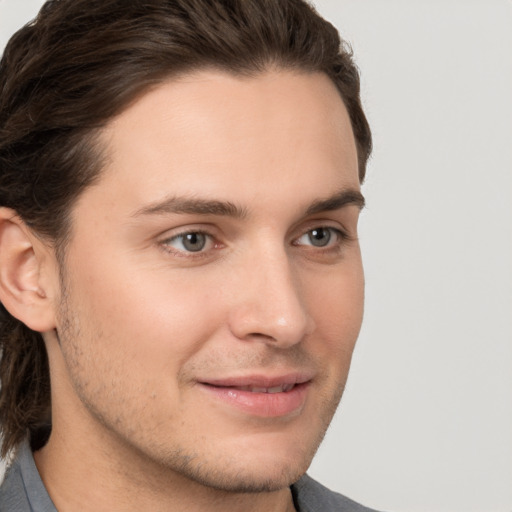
(276, 389)
(259, 390)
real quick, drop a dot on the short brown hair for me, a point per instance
(81, 62)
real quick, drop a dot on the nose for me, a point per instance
(269, 304)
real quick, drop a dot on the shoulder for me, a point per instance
(22, 489)
(13, 497)
(311, 496)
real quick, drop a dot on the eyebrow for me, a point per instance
(192, 206)
(339, 200)
(195, 206)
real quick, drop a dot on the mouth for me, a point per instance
(261, 396)
(283, 388)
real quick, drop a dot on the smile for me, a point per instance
(259, 396)
(256, 389)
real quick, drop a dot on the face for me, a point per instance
(212, 290)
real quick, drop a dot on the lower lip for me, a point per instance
(265, 405)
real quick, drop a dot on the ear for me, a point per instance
(26, 289)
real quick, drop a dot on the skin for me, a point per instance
(141, 324)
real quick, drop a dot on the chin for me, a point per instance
(247, 480)
(248, 468)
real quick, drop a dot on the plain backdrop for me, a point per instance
(426, 420)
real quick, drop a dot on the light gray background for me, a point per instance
(426, 421)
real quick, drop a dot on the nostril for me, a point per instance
(260, 336)
(276, 319)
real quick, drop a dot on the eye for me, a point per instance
(193, 241)
(320, 237)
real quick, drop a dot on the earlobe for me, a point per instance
(22, 290)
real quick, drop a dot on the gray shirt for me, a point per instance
(24, 491)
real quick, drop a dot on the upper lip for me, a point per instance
(259, 380)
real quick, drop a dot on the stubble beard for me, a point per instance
(194, 467)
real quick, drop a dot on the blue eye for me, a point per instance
(320, 237)
(189, 242)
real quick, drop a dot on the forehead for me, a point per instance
(209, 131)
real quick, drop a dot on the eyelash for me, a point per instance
(189, 254)
(341, 238)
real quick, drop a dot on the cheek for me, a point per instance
(337, 309)
(151, 318)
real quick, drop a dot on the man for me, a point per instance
(179, 265)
